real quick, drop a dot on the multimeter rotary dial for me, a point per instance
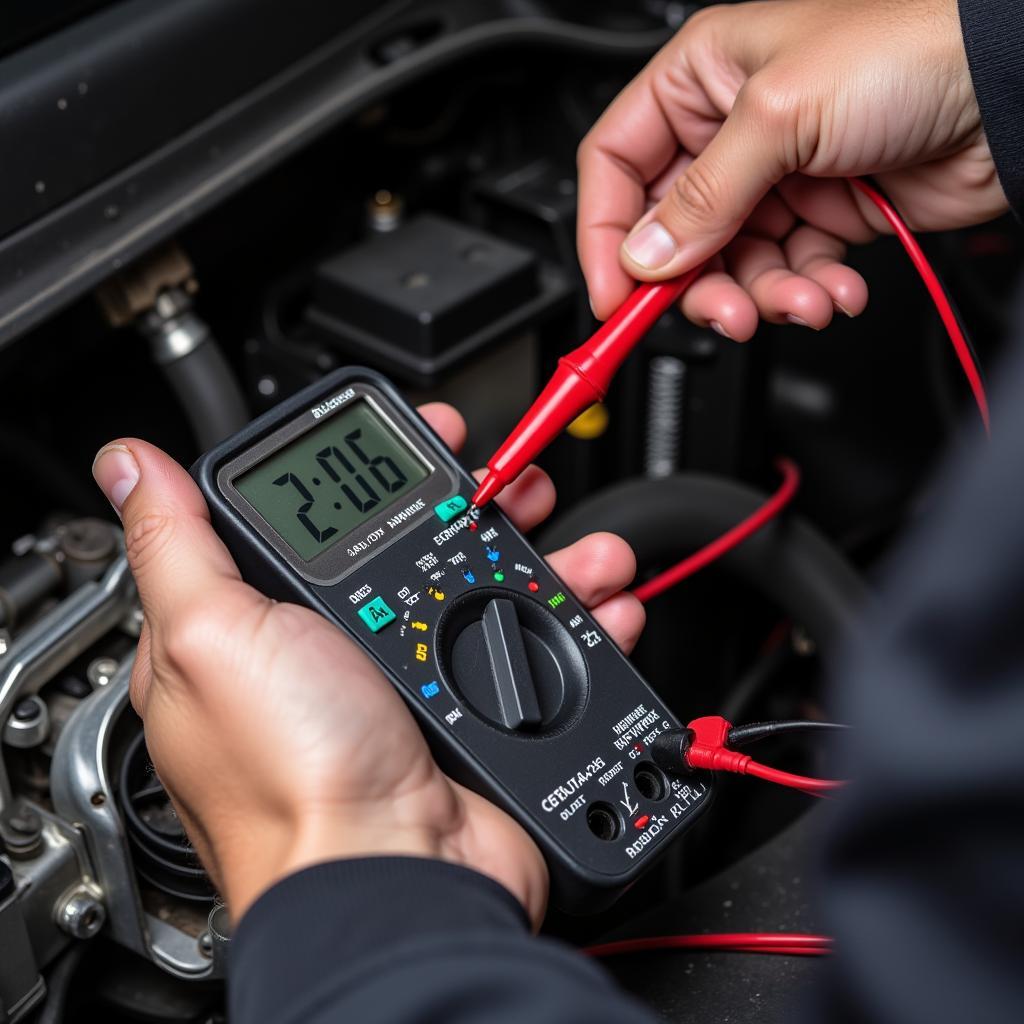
(512, 662)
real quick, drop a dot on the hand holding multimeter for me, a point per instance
(281, 742)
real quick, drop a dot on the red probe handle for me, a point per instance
(582, 378)
(599, 358)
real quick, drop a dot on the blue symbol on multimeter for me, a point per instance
(468, 576)
(492, 554)
(430, 690)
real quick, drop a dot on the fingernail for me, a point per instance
(117, 473)
(719, 329)
(799, 322)
(593, 312)
(652, 246)
(842, 309)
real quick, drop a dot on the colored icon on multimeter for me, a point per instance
(446, 511)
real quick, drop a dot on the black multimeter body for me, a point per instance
(342, 499)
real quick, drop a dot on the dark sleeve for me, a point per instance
(400, 940)
(924, 887)
(994, 39)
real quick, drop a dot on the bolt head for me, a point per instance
(81, 914)
(25, 822)
(26, 710)
(101, 671)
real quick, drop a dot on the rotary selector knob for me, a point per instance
(512, 662)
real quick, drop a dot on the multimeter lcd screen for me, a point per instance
(339, 474)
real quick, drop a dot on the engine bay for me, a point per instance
(393, 186)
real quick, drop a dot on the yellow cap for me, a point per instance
(590, 424)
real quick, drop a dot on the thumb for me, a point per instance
(174, 554)
(711, 199)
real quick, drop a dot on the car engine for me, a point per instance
(208, 205)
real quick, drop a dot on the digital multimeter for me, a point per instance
(343, 500)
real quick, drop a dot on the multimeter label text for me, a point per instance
(332, 403)
(570, 786)
(400, 518)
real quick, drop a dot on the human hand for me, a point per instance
(257, 714)
(736, 133)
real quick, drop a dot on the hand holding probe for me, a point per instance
(582, 378)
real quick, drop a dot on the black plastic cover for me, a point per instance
(421, 297)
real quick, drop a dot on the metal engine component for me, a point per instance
(156, 296)
(666, 394)
(66, 871)
(53, 641)
(135, 291)
(81, 913)
(83, 792)
(21, 986)
(29, 723)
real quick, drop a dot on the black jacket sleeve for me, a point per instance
(404, 940)
(994, 39)
(924, 888)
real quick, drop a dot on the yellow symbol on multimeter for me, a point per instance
(421, 626)
(421, 652)
(437, 594)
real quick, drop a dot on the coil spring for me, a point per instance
(666, 391)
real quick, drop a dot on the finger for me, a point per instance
(528, 500)
(721, 188)
(771, 218)
(595, 567)
(662, 184)
(447, 422)
(760, 268)
(818, 256)
(718, 302)
(628, 148)
(622, 617)
(174, 554)
(829, 204)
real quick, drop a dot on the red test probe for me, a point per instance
(582, 378)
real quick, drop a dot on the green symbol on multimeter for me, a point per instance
(376, 614)
(446, 511)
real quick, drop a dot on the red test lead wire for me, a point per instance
(730, 539)
(782, 943)
(582, 378)
(937, 292)
(703, 744)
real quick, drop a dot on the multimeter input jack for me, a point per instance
(604, 821)
(650, 781)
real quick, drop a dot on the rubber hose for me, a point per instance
(788, 561)
(207, 390)
(58, 984)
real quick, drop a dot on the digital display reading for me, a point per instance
(339, 474)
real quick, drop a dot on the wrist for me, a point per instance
(285, 849)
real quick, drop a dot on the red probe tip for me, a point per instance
(487, 490)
